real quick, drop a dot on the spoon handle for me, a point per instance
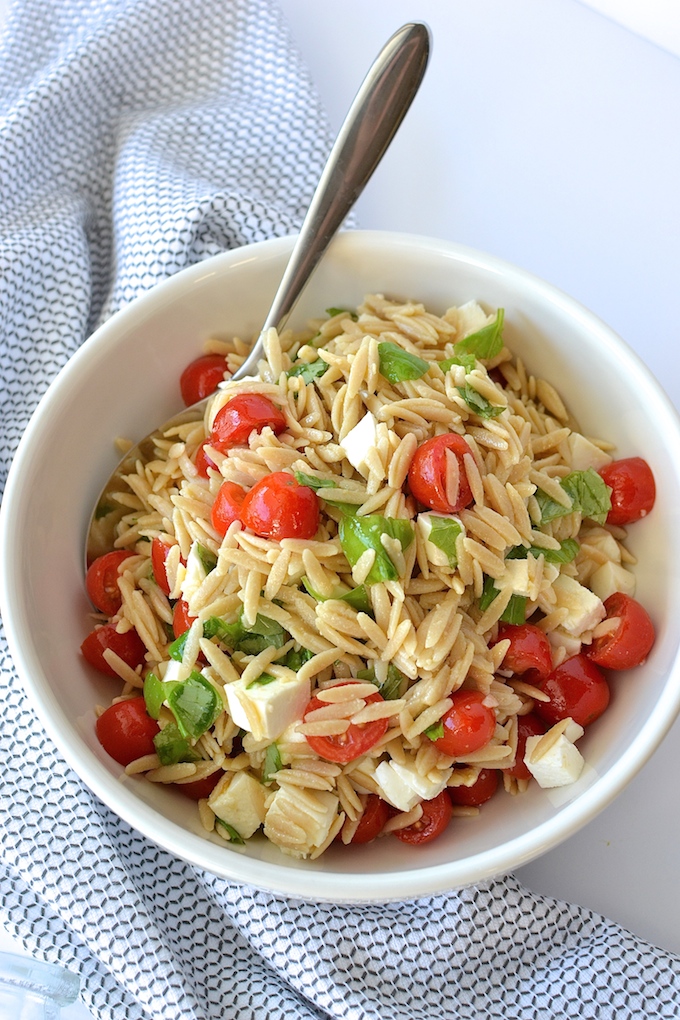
(370, 125)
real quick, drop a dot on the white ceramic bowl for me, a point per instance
(124, 381)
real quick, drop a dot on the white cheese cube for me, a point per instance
(605, 542)
(299, 820)
(516, 576)
(582, 454)
(611, 577)
(194, 575)
(559, 638)
(265, 710)
(437, 556)
(560, 765)
(175, 672)
(584, 608)
(403, 787)
(359, 441)
(240, 804)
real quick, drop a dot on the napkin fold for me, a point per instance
(138, 137)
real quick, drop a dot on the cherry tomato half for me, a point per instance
(159, 554)
(202, 377)
(101, 581)
(202, 460)
(126, 731)
(279, 507)
(434, 819)
(468, 725)
(576, 688)
(200, 788)
(528, 725)
(227, 506)
(529, 648)
(428, 473)
(355, 741)
(633, 489)
(372, 822)
(631, 642)
(181, 621)
(128, 646)
(245, 413)
(481, 790)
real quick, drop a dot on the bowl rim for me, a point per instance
(270, 876)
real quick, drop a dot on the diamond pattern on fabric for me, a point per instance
(138, 137)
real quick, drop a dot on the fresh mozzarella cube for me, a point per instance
(240, 803)
(469, 318)
(559, 638)
(605, 542)
(403, 786)
(359, 441)
(194, 575)
(516, 576)
(560, 765)
(611, 577)
(583, 454)
(299, 820)
(573, 731)
(584, 608)
(265, 710)
(175, 672)
(447, 528)
(423, 786)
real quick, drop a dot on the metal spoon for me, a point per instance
(370, 125)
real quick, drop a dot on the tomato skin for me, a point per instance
(200, 788)
(181, 621)
(372, 822)
(201, 377)
(529, 648)
(434, 819)
(159, 554)
(631, 642)
(577, 688)
(101, 581)
(128, 646)
(528, 725)
(245, 413)
(354, 742)
(126, 731)
(633, 489)
(481, 790)
(468, 724)
(202, 460)
(279, 507)
(427, 473)
(227, 506)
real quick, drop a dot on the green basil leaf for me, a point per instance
(395, 682)
(172, 747)
(296, 658)
(514, 612)
(487, 342)
(262, 680)
(312, 482)
(398, 365)
(435, 731)
(357, 597)
(195, 705)
(176, 647)
(309, 370)
(588, 493)
(443, 533)
(264, 633)
(154, 694)
(332, 312)
(357, 534)
(272, 763)
(489, 592)
(207, 557)
(567, 552)
(468, 361)
(232, 835)
(478, 404)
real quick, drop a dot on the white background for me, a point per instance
(547, 134)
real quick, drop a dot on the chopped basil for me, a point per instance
(567, 552)
(207, 557)
(468, 361)
(176, 647)
(395, 683)
(357, 534)
(296, 658)
(398, 365)
(487, 342)
(154, 695)
(103, 510)
(443, 533)
(478, 404)
(588, 494)
(264, 633)
(232, 835)
(514, 612)
(332, 312)
(357, 597)
(309, 370)
(313, 482)
(172, 747)
(272, 763)
(435, 731)
(195, 705)
(262, 680)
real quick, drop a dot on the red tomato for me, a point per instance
(245, 413)
(576, 688)
(633, 489)
(434, 819)
(181, 621)
(529, 648)
(200, 788)
(202, 377)
(227, 506)
(159, 554)
(101, 581)
(468, 725)
(481, 790)
(202, 460)
(427, 473)
(354, 742)
(631, 642)
(372, 822)
(528, 725)
(279, 507)
(128, 646)
(126, 732)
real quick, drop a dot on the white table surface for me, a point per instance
(547, 134)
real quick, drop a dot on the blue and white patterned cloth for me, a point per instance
(137, 137)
